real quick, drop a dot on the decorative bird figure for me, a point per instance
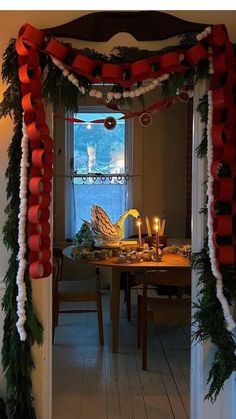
(104, 231)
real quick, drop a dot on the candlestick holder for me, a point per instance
(156, 257)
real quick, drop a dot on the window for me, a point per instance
(99, 167)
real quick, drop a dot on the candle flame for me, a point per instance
(156, 227)
(139, 222)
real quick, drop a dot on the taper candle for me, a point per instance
(139, 223)
(156, 228)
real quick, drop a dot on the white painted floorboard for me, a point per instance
(89, 382)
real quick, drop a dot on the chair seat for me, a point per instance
(85, 286)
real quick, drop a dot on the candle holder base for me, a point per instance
(156, 257)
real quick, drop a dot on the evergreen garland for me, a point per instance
(17, 359)
(210, 322)
(202, 108)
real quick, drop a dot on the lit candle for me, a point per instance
(156, 229)
(139, 223)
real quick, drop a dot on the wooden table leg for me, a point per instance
(115, 307)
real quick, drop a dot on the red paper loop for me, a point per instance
(40, 116)
(37, 214)
(56, 49)
(22, 48)
(44, 200)
(32, 36)
(111, 72)
(229, 79)
(141, 69)
(218, 35)
(36, 269)
(42, 228)
(228, 152)
(83, 65)
(222, 134)
(217, 135)
(47, 173)
(170, 59)
(39, 270)
(40, 158)
(226, 255)
(36, 242)
(219, 63)
(27, 104)
(33, 132)
(43, 255)
(224, 189)
(215, 168)
(196, 53)
(218, 98)
(36, 185)
(27, 74)
(48, 143)
(223, 225)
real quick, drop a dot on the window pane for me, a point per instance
(110, 196)
(96, 149)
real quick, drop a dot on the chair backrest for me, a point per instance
(179, 277)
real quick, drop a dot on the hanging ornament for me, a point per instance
(183, 94)
(145, 119)
(110, 123)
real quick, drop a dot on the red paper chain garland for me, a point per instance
(31, 40)
(151, 67)
(41, 145)
(223, 138)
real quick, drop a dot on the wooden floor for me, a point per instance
(89, 382)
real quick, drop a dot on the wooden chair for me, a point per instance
(74, 291)
(171, 311)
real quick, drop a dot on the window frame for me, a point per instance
(69, 169)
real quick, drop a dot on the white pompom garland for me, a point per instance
(22, 216)
(98, 94)
(212, 251)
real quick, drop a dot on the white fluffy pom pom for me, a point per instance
(142, 90)
(56, 61)
(199, 37)
(126, 93)
(61, 66)
(110, 96)
(71, 77)
(208, 30)
(99, 94)
(75, 82)
(82, 90)
(137, 92)
(92, 93)
(117, 95)
(65, 72)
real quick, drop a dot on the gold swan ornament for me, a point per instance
(104, 231)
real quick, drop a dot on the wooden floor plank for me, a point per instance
(169, 382)
(91, 382)
(177, 373)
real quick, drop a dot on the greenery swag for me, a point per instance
(17, 359)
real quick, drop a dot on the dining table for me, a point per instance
(168, 261)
